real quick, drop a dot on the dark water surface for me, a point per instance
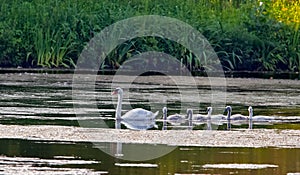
(69, 157)
(49, 102)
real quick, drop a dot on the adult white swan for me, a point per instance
(134, 114)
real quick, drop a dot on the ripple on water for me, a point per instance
(28, 165)
(145, 165)
(29, 160)
(239, 166)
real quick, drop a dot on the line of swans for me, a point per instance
(141, 119)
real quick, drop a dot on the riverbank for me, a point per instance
(227, 74)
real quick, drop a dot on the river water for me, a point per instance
(34, 99)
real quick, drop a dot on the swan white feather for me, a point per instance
(137, 114)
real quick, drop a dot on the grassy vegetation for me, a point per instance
(246, 35)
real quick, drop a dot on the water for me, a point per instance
(32, 99)
(68, 158)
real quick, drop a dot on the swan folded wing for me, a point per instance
(199, 117)
(139, 114)
(238, 117)
(218, 119)
(263, 118)
(176, 117)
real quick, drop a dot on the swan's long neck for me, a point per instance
(250, 119)
(189, 114)
(228, 114)
(209, 115)
(250, 115)
(228, 119)
(164, 118)
(209, 119)
(119, 106)
(190, 118)
(164, 113)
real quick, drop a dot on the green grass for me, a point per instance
(246, 36)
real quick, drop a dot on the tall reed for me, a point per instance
(245, 34)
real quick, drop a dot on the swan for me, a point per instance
(228, 110)
(215, 119)
(199, 119)
(134, 114)
(164, 110)
(190, 118)
(257, 118)
(209, 111)
(175, 119)
(236, 118)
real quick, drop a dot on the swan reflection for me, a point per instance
(130, 124)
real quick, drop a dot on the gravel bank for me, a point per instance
(235, 138)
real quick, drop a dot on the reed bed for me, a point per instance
(246, 35)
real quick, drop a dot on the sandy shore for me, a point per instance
(235, 138)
